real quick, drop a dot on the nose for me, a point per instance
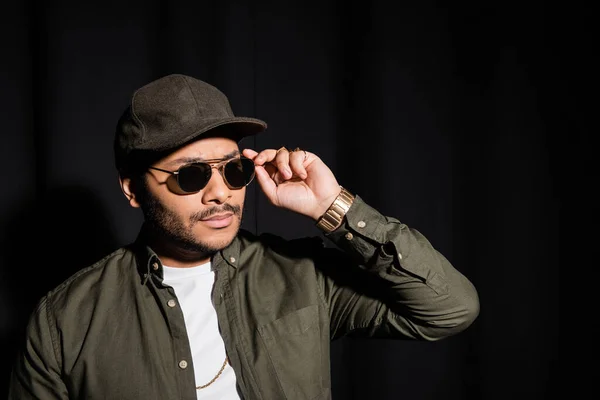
(216, 190)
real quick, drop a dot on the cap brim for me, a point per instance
(240, 127)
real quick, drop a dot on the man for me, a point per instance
(195, 307)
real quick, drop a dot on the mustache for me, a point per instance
(209, 212)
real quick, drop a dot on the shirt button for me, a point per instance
(183, 364)
(171, 303)
(155, 266)
(349, 236)
(361, 224)
(232, 259)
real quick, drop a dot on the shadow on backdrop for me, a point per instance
(46, 240)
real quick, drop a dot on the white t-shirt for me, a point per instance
(193, 287)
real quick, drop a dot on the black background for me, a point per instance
(470, 123)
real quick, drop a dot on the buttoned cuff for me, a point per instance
(384, 244)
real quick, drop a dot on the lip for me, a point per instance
(219, 220)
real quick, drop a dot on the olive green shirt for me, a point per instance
(114, 331)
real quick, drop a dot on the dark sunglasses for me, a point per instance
(192, 178)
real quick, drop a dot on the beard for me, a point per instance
(170, 226)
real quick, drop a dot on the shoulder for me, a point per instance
(109, 271)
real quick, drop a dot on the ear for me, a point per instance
(127, 190)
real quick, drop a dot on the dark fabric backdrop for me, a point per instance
(464, 122)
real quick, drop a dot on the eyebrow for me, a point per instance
(189, 160)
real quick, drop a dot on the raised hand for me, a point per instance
(295, 180)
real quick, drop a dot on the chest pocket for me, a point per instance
(294, 346)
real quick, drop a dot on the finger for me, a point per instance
(249, 153)
(282, 161)
(274, 173)
(297, 158)
(276, 165)
(265, 156)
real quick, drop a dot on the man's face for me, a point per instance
(202, 222)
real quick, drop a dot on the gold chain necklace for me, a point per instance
(215, 378)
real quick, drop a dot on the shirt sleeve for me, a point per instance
(36, 372)
(400, 285)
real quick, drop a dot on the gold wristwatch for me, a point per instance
(334, 215)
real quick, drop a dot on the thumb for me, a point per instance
(267, 184)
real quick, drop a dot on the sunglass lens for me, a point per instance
(194, 177)
(239, 172)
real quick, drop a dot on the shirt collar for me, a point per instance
(230, 254)
(149, 264)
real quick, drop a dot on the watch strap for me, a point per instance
(333, 217)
